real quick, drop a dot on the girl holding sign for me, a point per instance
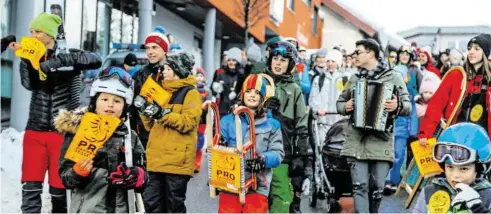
(100, 184)
(269, 147)
(463, 152)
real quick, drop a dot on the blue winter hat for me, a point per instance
(174, 48)
(469, 135)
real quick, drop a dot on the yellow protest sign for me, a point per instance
(31, 49)
(439, 202)
(152, 91)
(424, 158)
(93, 131)
(226, 170)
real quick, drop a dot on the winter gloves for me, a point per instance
(273, 103)
(131, 178)
(466, 195)
(255, 165)
(148, 109)
(217, 87)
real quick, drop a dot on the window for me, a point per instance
(48, 3)
(103, 28)
(314, 20)
(308, 2)
(290, 4)
(89, 25)
(276, 10)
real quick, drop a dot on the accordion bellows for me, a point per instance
(369, 99)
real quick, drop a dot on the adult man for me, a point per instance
(156, 46)
(56, 85)
(371, 152)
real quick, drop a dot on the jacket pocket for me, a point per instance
(174, 153)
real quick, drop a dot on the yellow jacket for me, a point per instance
(171, 146)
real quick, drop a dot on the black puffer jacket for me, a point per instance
(60, 90)
(139, 78)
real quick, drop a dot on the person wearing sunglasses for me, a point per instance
(475, 107)
(288, 107)
(173, 127)
(371, 152)
(106, 176)
(55, 85)
(156, 47)
(463, 152)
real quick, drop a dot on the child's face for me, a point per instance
(200, 77)
(427, 95)
(460, 174)
(252, 98)
(109, 104)
(279, 64)
(169, 73)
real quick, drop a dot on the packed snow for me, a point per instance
(10, 169)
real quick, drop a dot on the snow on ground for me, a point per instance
(10, 169)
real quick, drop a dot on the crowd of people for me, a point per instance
(167, 140)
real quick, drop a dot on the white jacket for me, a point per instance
(326, 97)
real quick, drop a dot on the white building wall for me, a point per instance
(338, 31)
(182, 31)
(446, 40)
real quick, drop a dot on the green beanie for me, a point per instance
(46, 23)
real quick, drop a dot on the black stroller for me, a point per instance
(332, 178)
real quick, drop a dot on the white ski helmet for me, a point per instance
(114, 80)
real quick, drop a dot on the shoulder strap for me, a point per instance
(179, 95)
(345, 80)
(321, 81)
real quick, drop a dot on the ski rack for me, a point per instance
(223, 161)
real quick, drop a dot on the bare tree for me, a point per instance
(251, 12)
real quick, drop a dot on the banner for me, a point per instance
(32, 49)
(152, 91)
(92, 133)
(424, 158)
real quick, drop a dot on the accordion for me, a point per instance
(369, 99)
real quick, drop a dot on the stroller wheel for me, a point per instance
(333, 206)
(313, 195)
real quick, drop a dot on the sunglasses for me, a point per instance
(116, 72)
(456, 153)
(358, 52)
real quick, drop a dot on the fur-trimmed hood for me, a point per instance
(67, 121)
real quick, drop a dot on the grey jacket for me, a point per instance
(93, 194)
(368, 144)
(325, 98)
(268, 143)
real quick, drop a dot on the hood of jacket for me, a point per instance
(174, 85)
(68, 121)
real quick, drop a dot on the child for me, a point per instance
(205, 95)
(463, 152)
(100, 184)
(429, 85)
(269, 148)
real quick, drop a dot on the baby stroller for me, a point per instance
(332, 178)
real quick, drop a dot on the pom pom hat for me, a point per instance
(158, 37)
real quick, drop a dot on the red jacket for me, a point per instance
(444, 101)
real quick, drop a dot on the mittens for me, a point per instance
(255, 165)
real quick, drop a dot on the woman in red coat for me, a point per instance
(424, 57)
(476, 106)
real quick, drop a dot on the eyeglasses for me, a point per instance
(112, 72)
(456, 153)
(358, 52)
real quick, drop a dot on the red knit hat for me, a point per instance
(158, 37)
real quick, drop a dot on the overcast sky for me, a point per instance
(397, 15)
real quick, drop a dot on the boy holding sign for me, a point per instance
(463, 152)
(92, 161)
(269, 147)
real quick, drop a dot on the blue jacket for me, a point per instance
(269, 142)
(407, 126)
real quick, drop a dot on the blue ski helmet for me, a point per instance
(471, 136)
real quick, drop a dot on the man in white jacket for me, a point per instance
(325, 91)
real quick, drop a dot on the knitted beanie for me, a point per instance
(254, 81)
(158, 37)
(335, 55)
(430, 83)
(484, 41)
(46, 23)
(235, 53)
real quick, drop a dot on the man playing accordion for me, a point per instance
(374, 96)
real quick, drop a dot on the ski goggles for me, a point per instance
(406, 49)
(456, 153)
(282, 49)
(111, 72)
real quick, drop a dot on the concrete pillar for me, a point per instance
(25, 11)
(209, 44)
(145, 8)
